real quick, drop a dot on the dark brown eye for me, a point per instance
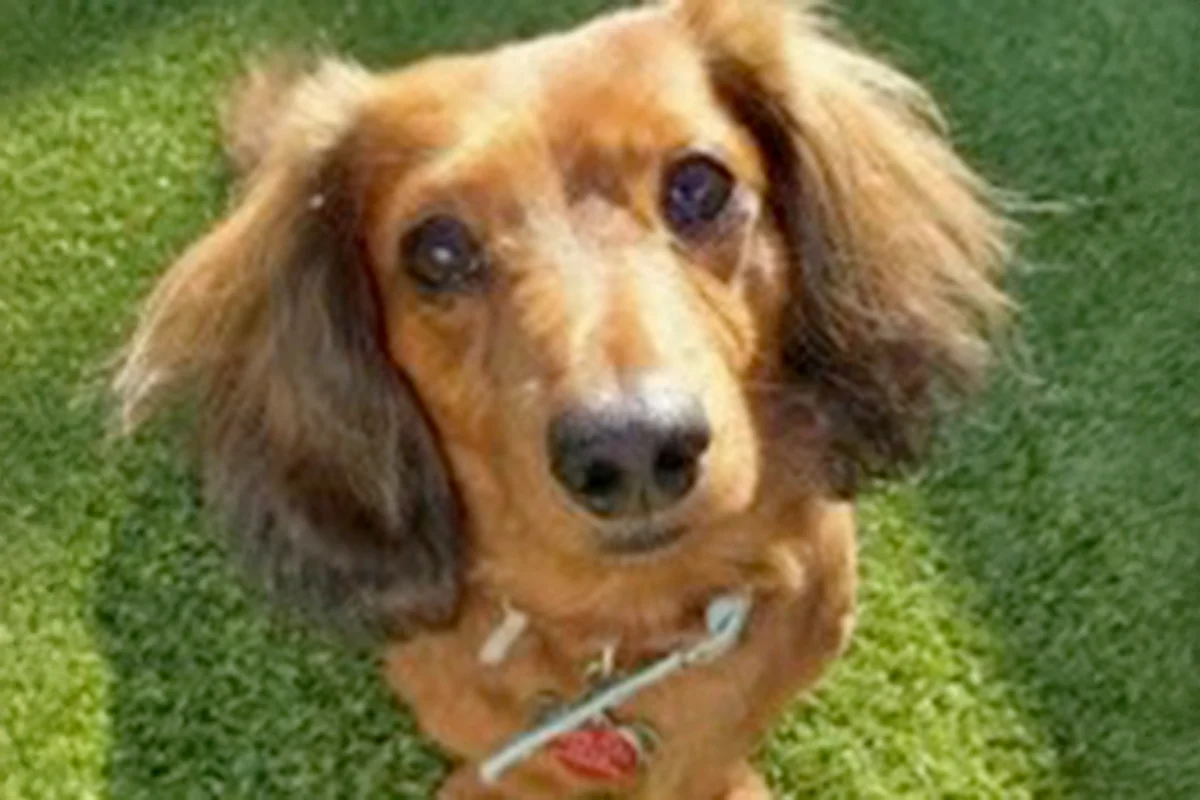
(442, 256)
(695, 192)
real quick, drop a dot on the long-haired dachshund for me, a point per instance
(524, 357)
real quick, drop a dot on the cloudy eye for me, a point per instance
(442, 256)
(696, 191)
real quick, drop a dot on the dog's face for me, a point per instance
(581, 278)
(600, 294)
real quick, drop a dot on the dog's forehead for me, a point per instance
(635, 83)
(628, 83)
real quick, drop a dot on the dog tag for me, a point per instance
(599, 752)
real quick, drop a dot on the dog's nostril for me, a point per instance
(601, 479)
(672, 460)
(677, 466)
(674, 478)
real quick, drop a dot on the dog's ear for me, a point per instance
(316, 450)
(895, 244)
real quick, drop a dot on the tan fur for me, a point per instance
(395, 441)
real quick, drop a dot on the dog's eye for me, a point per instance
(696, 190)
(442, 256)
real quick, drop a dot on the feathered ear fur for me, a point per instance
(894, 242)
(315, 449)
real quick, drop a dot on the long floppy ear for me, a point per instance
(894, 242)
(315, 450)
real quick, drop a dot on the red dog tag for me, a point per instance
(599, 753)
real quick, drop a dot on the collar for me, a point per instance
(725, 619)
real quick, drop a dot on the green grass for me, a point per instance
(1031, 618)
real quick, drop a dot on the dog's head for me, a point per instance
(591, 294)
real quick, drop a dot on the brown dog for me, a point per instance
(594, 327)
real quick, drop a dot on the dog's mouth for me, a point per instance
(641, 540)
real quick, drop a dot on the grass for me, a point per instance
(1031, 620)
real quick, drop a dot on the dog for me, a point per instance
(522, 357)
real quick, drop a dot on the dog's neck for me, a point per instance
(598, 611)
(651, 599)
(647, 606)
(586, 639)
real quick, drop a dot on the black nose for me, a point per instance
(632, 454)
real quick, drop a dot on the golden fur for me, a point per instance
(380, 452)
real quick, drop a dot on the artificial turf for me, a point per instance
(1031, 607)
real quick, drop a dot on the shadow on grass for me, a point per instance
(1070, 502)
(1081, 539)
(55, 40)
(211, 696)
(49, 41)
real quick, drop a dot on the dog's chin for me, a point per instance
(641, 541)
